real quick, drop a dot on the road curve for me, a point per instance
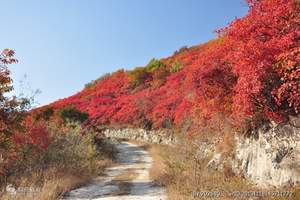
(128, 181)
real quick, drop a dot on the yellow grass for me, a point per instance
(178, 169)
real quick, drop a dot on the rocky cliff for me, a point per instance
(269, 157)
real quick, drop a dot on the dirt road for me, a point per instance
(127, 181)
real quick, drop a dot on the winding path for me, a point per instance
(127, 181)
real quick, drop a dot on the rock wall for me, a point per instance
(272, 155)
(151, 136)
(269, 157)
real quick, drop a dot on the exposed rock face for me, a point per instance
(272, 158)
(152, 136)
(269, 157)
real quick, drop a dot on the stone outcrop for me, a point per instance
(269, 157)
(151, 136)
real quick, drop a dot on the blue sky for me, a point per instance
(63, 44)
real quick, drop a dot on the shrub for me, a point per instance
(155, 70)
(94, 82)
(254, 48)
(176, 67)
(73, 115)
(250, 70)
(12, 110)
(288, 66)
(71, 148)
(44, 114)
(154, 64)
(138, 76)
(186, 171)
(71, 158)
(159, 76)
(182, 49)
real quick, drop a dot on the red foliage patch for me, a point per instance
(252, 67)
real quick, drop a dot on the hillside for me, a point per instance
(225, 110)
(250, 72)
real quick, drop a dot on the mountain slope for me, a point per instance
(250, 71)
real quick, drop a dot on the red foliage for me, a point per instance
(33, 134)
(255, 41)
(252, 67)
(288, 68)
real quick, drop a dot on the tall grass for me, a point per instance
(72, 158)
(183, 170)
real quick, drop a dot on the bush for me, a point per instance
(44, 114)
(94, 82)
(71, 148)
(138, 76)
(155, 70)
(68, 149)
(70, 159)
(154, 64)
(182, 49)
(159, 76)
(288, 66)
(176, 67)
(73, 115)
(186, 171)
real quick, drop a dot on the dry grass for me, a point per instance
(183, 173)
(158, 169)
(71, 160)
(53, 183)
(52, 188)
